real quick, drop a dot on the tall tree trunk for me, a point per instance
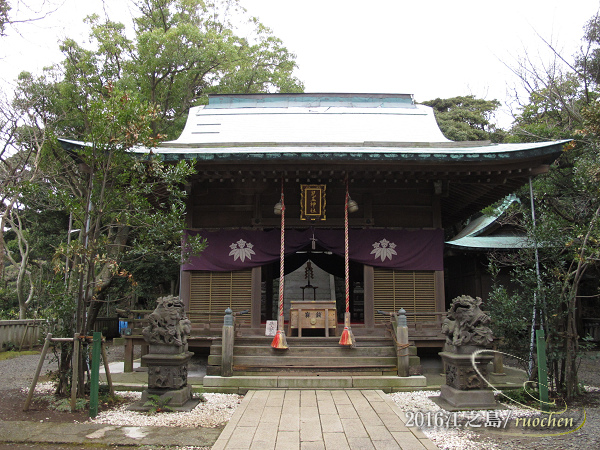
(571, 379)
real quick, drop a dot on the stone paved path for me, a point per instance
(319, 419)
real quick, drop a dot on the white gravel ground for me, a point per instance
(219, 408)
(447, 436)
(215, 411)
(462, 430)
(455, 431)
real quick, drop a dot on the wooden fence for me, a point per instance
(108, 326)
(21, 333)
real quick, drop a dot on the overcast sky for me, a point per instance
(435, 48)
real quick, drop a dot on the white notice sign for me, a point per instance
(271, 329)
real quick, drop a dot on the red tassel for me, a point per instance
(347, 338)
(279, 341)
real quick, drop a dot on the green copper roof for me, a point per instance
(230, 101)
(445, 154)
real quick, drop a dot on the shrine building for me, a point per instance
(406, 184)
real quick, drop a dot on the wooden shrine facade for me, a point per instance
(392, 195)
(404, 174)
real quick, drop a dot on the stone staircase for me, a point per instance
(310, 362)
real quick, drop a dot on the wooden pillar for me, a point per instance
(111, 390)
(189, 206)
(185, 288)
(268, 269)
(145, 349)
(36, 376)
(128, 360)
(436, 209)
(440, 296)
(436, 206)
(369, 276)
(255, 297)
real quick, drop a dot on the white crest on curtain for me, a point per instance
(384, 249)
(241, 250)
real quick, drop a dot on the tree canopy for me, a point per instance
(122, 89)
(4, 9)
(182, 50)
(561, 104)
(467, 118)
(114, 219)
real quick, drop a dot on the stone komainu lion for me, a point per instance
(168, 323)
(467, 324)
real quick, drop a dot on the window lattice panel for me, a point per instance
(213, 292)
(413, 291)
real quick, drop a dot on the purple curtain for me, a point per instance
(395, 249)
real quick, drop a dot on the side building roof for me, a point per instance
(485, 233)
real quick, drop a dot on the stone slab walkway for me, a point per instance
(84, 435)
(319, 419)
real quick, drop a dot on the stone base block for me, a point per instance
(167, 370)
(168, 349)
(452, 399)
(264, 382)
(379, 382)
(178, 399)
(314, 382)
(387, 383)
(461, 373)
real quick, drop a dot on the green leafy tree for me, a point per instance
(553, 111)
(561, 103)
(113, 97)
(119, 202)
(23, 12)
(22, 137)
(4, 9)
(182, 51)
(467, 118)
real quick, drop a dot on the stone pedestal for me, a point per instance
(464, 388)
(168, 356)
(167, 378)
(452, 399)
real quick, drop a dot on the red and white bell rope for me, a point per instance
(279, 340)
(347, 338)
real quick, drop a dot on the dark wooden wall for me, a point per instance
(250, 203)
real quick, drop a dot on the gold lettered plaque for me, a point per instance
(312, 206)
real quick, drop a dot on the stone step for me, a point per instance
(241, 384)
(312, 361)
(363, 341)
(240, 350)
(314, 372)
(311, 356)
(319, 342)
(306, 371)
